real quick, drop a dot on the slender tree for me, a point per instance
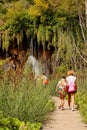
(86, 11)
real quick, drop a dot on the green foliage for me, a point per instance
(46, 19)
(15, 124)
(34, 126)
(81, 97)
(17, 23)
(41, 34)
(24, 100)
(2, 9)
(5, 41)
(53, 84)
(81, 100)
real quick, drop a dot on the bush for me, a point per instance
(60, 71)
(81, 98)
(15, 124)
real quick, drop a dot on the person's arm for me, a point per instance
(66, 82)
(76, 84)
(57, 86)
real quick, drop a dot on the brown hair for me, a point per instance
(70, 72)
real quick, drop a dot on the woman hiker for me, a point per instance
(71, 88)
(61, 88)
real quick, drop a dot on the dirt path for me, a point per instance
(64, 120)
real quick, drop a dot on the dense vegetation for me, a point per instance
(24, 103)
(55, 23)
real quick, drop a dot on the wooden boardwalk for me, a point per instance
(64, 119)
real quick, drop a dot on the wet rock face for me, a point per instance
(40, 51)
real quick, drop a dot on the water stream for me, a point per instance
(36, 65)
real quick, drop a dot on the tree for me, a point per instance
(15, 22)
(86, 11)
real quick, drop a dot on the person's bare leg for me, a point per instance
(62, 103)
(69, 98)
(73, 102)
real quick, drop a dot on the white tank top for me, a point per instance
(71, 79)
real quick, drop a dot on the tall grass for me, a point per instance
(25, 100)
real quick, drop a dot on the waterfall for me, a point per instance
(36, 65)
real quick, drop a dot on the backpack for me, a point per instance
(46, 81)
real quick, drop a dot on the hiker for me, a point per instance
(61, 88)
(71, 87)
(38, 80)
(44, 79)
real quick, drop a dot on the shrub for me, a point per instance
(15, 124)
(81, 98)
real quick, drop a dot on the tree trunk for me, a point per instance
(86, 11)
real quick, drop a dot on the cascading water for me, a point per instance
(36, 65)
